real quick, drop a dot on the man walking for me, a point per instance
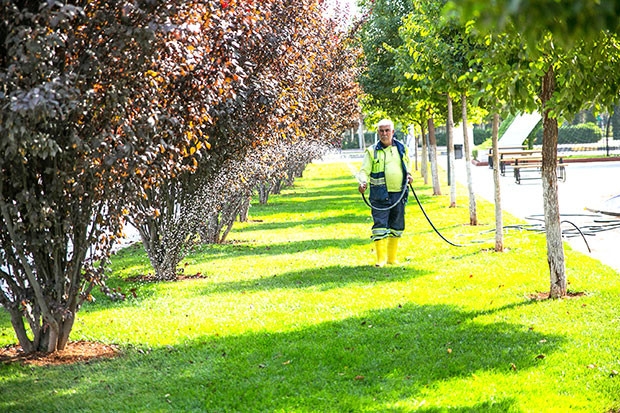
(386, 168)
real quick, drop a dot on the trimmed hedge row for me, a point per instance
(581, 133)
(480, 135)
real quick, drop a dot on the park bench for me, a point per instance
(502, 150)
(513, 156)
(534, 164)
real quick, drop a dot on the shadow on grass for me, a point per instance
(135, 257)
(303, 222)
(330, 191)
(362, 213)
(132, 256)
(324, 278)
(334, 197)
(327, 275)
(325, 197)
(211, 252)
(375, 362)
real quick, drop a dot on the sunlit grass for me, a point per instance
(291, 316)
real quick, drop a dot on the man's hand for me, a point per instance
(362, 187)
(409, 178)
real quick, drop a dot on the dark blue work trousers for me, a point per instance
(389, 222)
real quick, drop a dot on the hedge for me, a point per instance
(582, 133)
(480, 135)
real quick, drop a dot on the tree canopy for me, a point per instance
(516, 56)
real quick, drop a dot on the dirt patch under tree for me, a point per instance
(74, 352)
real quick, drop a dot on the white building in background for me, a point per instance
(519, 130)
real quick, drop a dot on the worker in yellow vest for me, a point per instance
(386, 168)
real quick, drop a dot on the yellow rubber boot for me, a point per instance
(392, 248)
(380, 247)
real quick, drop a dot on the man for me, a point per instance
(386, 168)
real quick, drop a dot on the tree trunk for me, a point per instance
(433, 152)
(263, 192)
(360, 133)
(499, 221)
(46, 338)
(473, 216)
(555, 248)
(229, 214)
(244, 213)
(17, 321)
(163, 243)
(424, 161)
(412, 138)
(450, 144)
(276, 186)
(164, 263)
(210, 231)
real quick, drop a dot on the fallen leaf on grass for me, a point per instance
(359, 377)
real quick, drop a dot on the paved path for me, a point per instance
(587, 185)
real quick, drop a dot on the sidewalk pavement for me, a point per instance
(587, 185)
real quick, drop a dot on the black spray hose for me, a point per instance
(582, 236)
(420, 205)
(436, 230)
(457, 245)
(431, 222)
(402, 194)
(565, 233)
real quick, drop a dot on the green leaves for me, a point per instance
(569, 21)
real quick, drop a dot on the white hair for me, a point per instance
(385, 122)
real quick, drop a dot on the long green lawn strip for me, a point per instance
(290, 316)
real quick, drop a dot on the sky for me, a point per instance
(349, 4)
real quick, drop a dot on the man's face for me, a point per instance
(385, 135)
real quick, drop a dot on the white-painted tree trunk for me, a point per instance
(499, 220)
(450, 145)
(555, 247)
(473, 215)
(433, 153)
(424, 161)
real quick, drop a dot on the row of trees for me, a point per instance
(503, 57)
(166, 114)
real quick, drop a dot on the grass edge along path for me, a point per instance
(291, 316)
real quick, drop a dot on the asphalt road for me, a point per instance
(587, 186)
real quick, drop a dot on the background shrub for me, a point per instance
(480, 135)
(582, 133)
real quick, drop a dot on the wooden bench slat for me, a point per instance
(561, 170)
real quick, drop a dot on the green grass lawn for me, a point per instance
(291, 316)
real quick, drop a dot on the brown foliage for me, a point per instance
(294, 85)
(103, 101)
